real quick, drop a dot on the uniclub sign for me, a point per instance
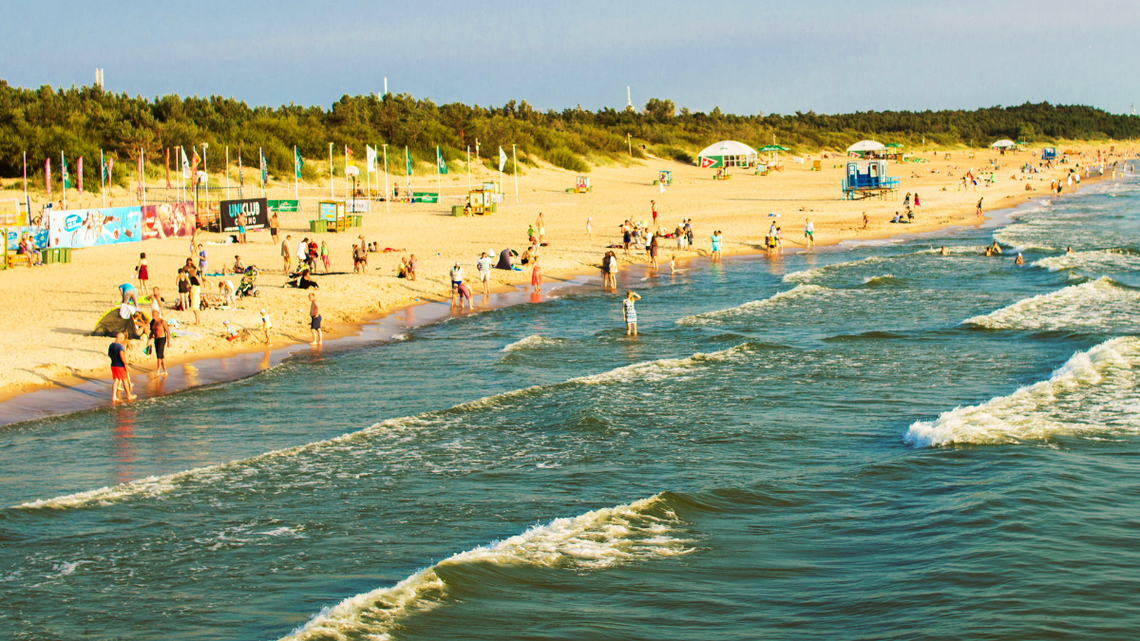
(253, 213)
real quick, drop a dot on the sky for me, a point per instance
(745, 57)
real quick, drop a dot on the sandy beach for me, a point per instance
(52, 310)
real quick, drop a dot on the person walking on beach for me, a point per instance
(325, 255)
(590, 227)
(653, 204)
(195, 296)
(715, 238)
(286, 255)
(274, 228)
(809, 233)
(202, 262)
(315, 320)
(540, 223)
(266, 325)
(629, 312)
(456, 275)
(654, 249)
(866, 220)
(159, 335)
(117, 352)
(916, 203)
(688, 232)
(980, 206)
(536, 276)
(483, 266)
(141, 272)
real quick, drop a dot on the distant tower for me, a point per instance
(99, 78)
(1133, 109)
(628, 100)
(385, 85)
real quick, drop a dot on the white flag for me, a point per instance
(185, 164)
(370, 154)
(502, 159)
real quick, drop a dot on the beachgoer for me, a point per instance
(155, 302)
(117, 352)
(159, 336)
(626, 237)
(483, 265)
(195, 296)
(141, 271)
(274, 227)
(809, 233)
(673, 264)
(866, 220)
(779, 239)
(629, 312)
(1068, 251)
(463, 293)
(412, 267)
(315, 320)
(302, 251)
(995, 247)
(241, 228)
(688, 232)
(1019, 261)
(540, 223)
(266, 325)
(183, 290)
(456, 275)
(357, 259)
(536, 276)
(130, 294)
(653, 204)
(287, 255)
(715, 238)
(325, 255)
(202, 262)
(226, 291)
(916, 203)
(590, 227)
(653, 250)
(979, 209)
(943, 251)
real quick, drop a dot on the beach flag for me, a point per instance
(110, 169)
(140, 170)
(241, 174)
(407, 161)
(264, 171)
(64, 178)
(370, 157)
(502, 158)
(167, 162)
(439, 161)
(79, 170)
(185, 164)
(47, 175)
(194, 159)
(298, 162)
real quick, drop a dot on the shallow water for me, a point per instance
(879, 442)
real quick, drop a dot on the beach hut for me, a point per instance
(868, 178)
(726, 153)
(866, 149)
(1048, 153)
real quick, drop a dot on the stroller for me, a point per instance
(248, 286)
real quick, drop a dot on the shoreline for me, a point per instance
(90, 389)
(77, 393)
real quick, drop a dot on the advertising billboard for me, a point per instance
(255, 211)
(77, 228)
(167, 220)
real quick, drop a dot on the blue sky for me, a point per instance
(828, 56)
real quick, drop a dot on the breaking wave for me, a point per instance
(808, 275)
(1093, 261)
(534, 341)
(1100, 304)
(1095, 391)
(798, 291)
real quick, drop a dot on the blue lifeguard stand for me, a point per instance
(1049, 153)
(868, 178)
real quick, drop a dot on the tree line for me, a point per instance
(82, 121)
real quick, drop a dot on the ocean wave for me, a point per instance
(1096, 261)
(809, 275)
(1100, 304)
(882, 280)
(534, 341)
(957, 250)
(599, 539)
(1095, 391)
(720, 314)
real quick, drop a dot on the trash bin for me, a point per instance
(65, 254)
(318, 226)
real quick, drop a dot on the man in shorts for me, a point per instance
(484, 267)
(286, 254)
(809, 233)
(315, 320)
(130, 294)
(117, 352)
(160, 335)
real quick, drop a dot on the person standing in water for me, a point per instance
(809, 233)
(117, 352)
(315, 320)
(715, 238)
(536, 276)
(629, 312)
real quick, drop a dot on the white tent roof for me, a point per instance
(866, 145)
(727, 148)
(1003, 143)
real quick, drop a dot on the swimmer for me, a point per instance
(1068, 251)
(1019, 261)
(943, 251)
(995, 248)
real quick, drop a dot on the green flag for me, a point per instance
(439, 161)
(264, 171)
(63, 171)
(298, 162)
(407, 161)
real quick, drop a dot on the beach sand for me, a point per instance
(50, 311)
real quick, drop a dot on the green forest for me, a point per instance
(82, 121)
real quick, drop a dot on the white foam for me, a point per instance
(809, 275)
(1099, 304)
(798, 291)
(595, 540)
(956, 250)
(1094, 392)
(534, 341)
(878, 280)
(1093, 261)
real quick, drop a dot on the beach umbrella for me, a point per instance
(1002, 143)
(773, 148)
(864, 146)
(895, 145)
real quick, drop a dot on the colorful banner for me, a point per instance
(39, 235)
(92, 227)
(255, 211)
(283, 206)
(330, 210)
(167, 220)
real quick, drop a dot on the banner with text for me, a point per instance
(77, 228)
(39, 236)
(283, 206)
(167, 220)
(255, 211)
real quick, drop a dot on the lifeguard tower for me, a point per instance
(1049, 153)
(581, 186)
(483, 200)
(868, 179)
(664, 178)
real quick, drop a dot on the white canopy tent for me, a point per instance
(727, 153)
(1003, 144)
(864, 147)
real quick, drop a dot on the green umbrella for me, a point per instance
(766, 148)
(895, 144)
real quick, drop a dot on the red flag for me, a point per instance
(110, 167)
(47, 175)
(80, 165)
(168, 167)
(194, 161)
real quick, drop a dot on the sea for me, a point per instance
(872, 441)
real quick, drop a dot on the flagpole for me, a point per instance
(387, 196)
(368, 167)
(206, 170)
(347, 194)
(468, 167)
(332, 193)
(102, 177)
(296, 179)
(515, 153)
(62, 173)
(438, 177)
(142, 174)
(241, 176)
(261, 169)
(27, 203)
